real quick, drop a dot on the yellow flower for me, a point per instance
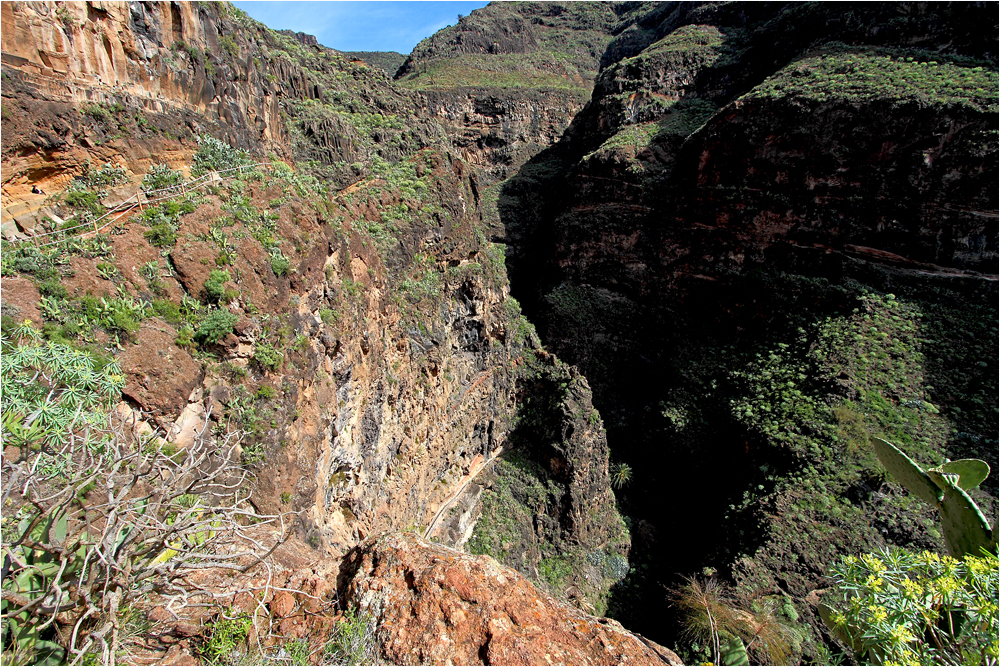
(901, 635)
(874, 563)
(873, 582)
(912, 589)
(945, 585)
(878, 614)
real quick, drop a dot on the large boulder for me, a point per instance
(436, 605)
(159, 375)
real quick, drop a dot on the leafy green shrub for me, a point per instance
(267, 357)
(84, 200)
(161, 235)
(49, 386)
(329, 315)
(57, 411)
(161, 176)
(107, 175)
(168, 310)
(225, 639)
(280, 265)
(215, 286)
(52, 288)
(217, 325)
(216, 155)
(28, 259)
(185, 336)
(916, 608)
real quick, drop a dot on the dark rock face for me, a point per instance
(721, 190)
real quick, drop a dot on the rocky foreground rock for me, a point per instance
(440, 606)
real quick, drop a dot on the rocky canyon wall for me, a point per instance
(373, 364)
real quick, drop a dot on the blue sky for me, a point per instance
(361, 26)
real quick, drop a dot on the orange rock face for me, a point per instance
(438, 606)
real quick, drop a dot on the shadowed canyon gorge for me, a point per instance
(497, 352)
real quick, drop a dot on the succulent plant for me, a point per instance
(966, 531)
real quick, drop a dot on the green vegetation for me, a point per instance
(280, 265)
(966, 531)
(226, 640)
(387, 61)
(733, 629)
(161, 176)
(49, 387)
(267, 356)
(863, 74)
(164, 221)
(523, 70)
(353, 640)
(621, 475)
(217, 325)
(678, 121)
(898, 607)
(216, 155)
(215, 286)
(565, 56)
(689, 40)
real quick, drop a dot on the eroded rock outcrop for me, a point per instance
(439, 606)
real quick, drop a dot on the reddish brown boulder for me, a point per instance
(438, 606)
(159, 376)
(20, 299)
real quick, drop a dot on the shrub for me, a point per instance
(215, 286)
(106, 176)
(732, 628)
(216, 326)
(161, 235)
(280, 265)
(353, 641)
(185, 336)
(168, 310)
(84, 200)
(267, 357)
(216, 155)
(45, 384)
(916, 608)
(225, 638)
(52, 288)
(56, 410)
(161, 176)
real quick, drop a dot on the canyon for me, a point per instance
(523, 330)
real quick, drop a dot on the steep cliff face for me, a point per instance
(345, 314)
(731, 194)
(506, 80)
(137, 82)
